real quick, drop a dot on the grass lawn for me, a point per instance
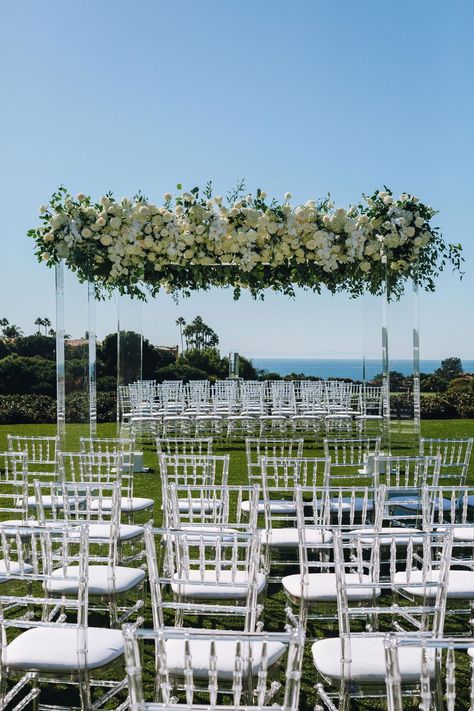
(149, 485)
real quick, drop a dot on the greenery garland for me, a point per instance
(197, 241)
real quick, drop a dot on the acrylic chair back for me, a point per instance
(183, 445)
(204, 506)
(446, 678)
(210, 574)
(238, 666)
(412, 576)
(14, 486)
(455, 457)
(257, 447)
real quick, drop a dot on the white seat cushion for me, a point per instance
(321, 587)
(126, 531)
(14, 568)
(346, 504)
(225, 651)
(54, 649)
(387, 534)
(100, 579)
(367, 656)
(288, 537)
(127, 505)
(412, 502)
(463, 533)
(47, 502)
(277, 507)
(207, 586)
(197, 505)
(460, 583)
(12, 526)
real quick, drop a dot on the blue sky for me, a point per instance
(306, 96)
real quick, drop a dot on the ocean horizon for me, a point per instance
(346, 368)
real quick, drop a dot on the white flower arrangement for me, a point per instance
(192, 242)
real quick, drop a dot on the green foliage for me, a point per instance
(464, 384)
(36, 345)
(450, 368)
(41, 409)
(180, 371)
(22, 374)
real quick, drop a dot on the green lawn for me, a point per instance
(149, 485)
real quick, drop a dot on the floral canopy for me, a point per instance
(197, 241)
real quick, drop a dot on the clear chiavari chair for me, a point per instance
(42, 454)
(455, 456)
(256, 447)
(311, 593)
(111, 452)
(116, 578)
(213, 670)
(212, 576)
(191, 470)
(55, 645)
(445, 678)
(212, 508)
(353, 664)
(15, 505)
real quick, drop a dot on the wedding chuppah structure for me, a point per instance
(383, 247)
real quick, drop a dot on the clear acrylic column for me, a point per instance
(60, 356)
(76, 408)
(416, 360)
(92, 360)
(129, 344)
(401, 368)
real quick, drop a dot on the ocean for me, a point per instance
(351, 368)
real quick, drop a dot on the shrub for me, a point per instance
(25, 375)
(180, 371)
(41, 409)
(464, 403)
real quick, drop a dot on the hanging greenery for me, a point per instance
(196, 240)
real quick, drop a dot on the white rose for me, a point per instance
(288, 196)
(409, 231)
(86, 233)
(167, 197)
(48, 237)
(45, 256)
(143, 211)
(80, 197)
(106, 240)
(188, 197)
(100, 222)
(419, 222)
(115, 223)
(365, 266)
(57, 221)
(263, 194)
(126, 202)
(43, 209)
(387, 200)
(104, 201)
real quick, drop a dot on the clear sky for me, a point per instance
(304, 96)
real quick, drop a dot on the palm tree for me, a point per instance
(46, 324)
(12, 331)
(52, 333)
(181, 322)
(39, 322)
(3, 324)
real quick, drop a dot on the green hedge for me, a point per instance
(41, 409)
